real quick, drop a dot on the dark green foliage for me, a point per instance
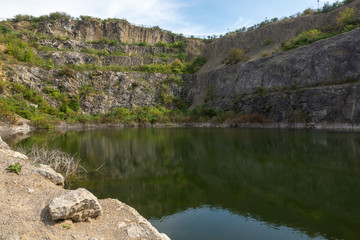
(203, 111)
(106, 40)
(74, 104)
(210, 94)
(195, 64)
(51, 17)
(179, 44)
(141, 44)
(85, 18)
(5, 29)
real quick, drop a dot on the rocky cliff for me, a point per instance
(314, 83)
(93, 29)
(93, 66)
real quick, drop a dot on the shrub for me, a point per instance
(161, 44)
(67, 71)
(305, 38)
(42, 122)
(236, 55)
(74, 104)
(177, 66)
(347, 17)
(210, 94)
(60, 161)
(308, 11)
(203, 111)
(16, 168)
(4, 29)
(265, 54)
(268, 41)
(179, 44)
(195, 64)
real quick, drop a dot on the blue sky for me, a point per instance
(190, 17)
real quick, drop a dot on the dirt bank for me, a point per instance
(24, 201)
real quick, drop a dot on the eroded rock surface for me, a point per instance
(78, 205)
(48, 172)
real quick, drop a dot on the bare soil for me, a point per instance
(24, 200)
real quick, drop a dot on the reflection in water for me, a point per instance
(213, 223)
(302, 180)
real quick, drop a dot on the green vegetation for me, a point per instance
(346, 21)
(52, 17)
(326, 8)
(236, 55)
(16, 168)
(66, 226)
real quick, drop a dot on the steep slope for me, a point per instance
(58, 68)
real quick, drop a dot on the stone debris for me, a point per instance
(48, 172)
(78, 205)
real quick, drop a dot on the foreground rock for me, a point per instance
(78, 205)
(48, 172)
(3, 145)
(24, 210)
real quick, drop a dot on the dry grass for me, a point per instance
(60, 161)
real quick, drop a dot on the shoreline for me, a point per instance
(25, 200)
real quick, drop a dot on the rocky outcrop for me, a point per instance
(93, 29)
(78, 205)
(78, 46)
(312, 80)
(269, 38)
(100, 91)
(48, 172)
(68, 58)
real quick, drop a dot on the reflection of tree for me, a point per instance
(301, 179)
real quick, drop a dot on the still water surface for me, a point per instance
(225, 183)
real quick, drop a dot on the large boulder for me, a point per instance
(78, 205)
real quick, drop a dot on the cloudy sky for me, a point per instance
(190, 17)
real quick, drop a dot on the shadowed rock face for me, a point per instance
(319, 81)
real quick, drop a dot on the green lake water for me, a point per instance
(199, 183)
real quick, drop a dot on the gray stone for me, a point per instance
(48, 172)
(3, 145)
(78, 205)
(136, 231)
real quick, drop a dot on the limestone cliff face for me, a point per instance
(100, 91)
(318, 82)
(92, 29)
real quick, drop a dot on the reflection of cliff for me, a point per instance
(306, 180)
